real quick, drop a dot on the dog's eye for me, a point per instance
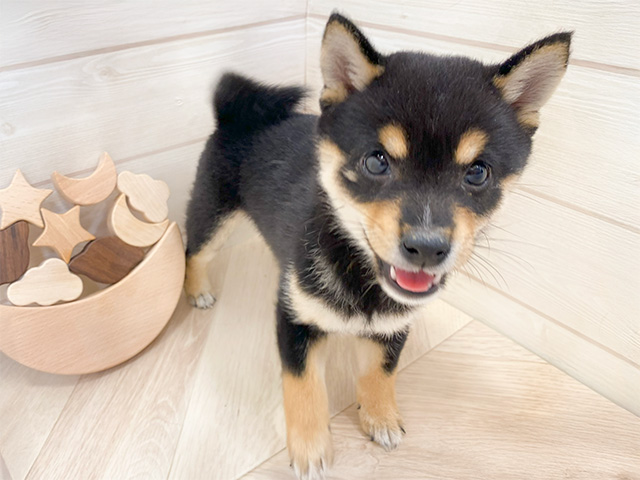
(376, 163)
(477, 175)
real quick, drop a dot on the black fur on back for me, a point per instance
(244, 105)
(243, 108)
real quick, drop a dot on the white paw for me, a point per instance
(386, 430)
(311, 471)
(203, 300)
(311, 454)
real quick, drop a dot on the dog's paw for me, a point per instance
(202, 300)
(311, 455)
(385, 429)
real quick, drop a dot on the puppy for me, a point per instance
(367, 207)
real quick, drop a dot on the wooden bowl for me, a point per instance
(105, 329)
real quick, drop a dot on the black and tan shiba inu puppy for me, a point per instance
(367, 207)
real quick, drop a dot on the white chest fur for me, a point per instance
(312, 310)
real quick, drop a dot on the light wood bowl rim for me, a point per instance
(18, 340)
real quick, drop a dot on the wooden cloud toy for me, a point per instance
(141, 267)
(146, 195)
(47, 284)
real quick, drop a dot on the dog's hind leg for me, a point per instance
(212, 214)
(197, 285)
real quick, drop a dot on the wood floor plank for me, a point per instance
(4, 470)
(235, 419)
(478, 339)
(600, 369)
(125, 422)
(30, 404)
(235, 410)
(472, 415)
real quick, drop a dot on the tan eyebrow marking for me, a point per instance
(471, 144)
(394, 140)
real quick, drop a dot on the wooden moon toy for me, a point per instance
(104, 329)
(92, 189)
(14, 252)
(146, 195)
(131, 230)
(106, 260)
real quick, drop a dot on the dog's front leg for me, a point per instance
(305, 395)
(379, 417)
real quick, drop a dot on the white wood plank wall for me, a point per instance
(132, 78)
(564, 259)
(135, 79)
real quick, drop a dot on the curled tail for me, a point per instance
(246, 106)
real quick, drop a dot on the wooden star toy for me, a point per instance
(21, 201)
(62, 232)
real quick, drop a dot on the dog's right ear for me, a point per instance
(347, 60)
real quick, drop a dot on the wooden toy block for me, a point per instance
(81, 337)
(21, 201)
(62, 232)
(146, 195)
(47, 284)
(131, 230)
(89, 190)
(106, 260)
(14, 252)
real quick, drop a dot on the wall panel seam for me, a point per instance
(633, 72)
(125, 160)
(578, 209)
(145, 43)
(553, 320)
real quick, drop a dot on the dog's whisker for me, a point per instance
(490, 268)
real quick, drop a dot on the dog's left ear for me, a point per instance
(528, 78)
(347, 60)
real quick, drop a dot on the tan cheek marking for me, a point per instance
(307, 411)
(381, 219)
(383, 226)
(394, 140)
(376, 391)
(465, 222)
(470, 146)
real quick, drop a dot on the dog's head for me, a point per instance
(416, 150)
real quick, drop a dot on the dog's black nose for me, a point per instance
(425, 250)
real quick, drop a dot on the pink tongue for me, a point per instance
(414, 281)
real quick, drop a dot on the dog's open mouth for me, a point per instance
(413, 284)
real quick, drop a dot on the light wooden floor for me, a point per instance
(204, 402)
